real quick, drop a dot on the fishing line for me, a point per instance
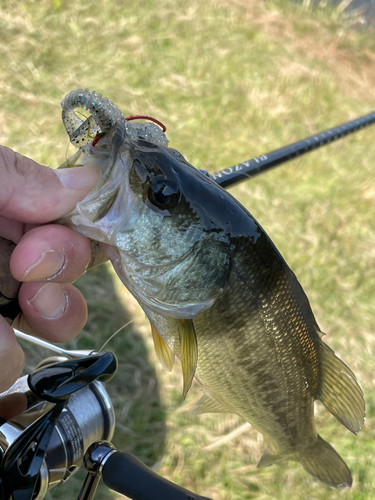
(119, 330)
(66, 154)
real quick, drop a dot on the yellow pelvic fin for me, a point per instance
(163, 351)
(340, 392)
(189, 352)
(207, 404)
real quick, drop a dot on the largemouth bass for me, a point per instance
(214, 287)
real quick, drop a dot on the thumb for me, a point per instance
(35, 194)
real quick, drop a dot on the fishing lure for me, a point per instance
(104, 117)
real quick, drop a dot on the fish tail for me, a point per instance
(321, 461)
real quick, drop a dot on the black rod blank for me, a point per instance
(250, 168)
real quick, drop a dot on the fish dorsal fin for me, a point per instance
(188, 352)
(207, 404)
(163, 351)
(340, 392)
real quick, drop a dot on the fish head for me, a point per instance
(168, 229)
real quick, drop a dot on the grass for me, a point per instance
(231, 79)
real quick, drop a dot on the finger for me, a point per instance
(11, 230)
(11, 356)
(56, 312)
(36, 194)
(53, 253)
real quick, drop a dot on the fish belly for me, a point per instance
(249, 365)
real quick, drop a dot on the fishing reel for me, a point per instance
(49, 419)
(60, 418)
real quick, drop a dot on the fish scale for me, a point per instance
(275, 343)
(254, 391)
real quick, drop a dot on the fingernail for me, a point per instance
(49, 301)
(79, 177)
(48, 266)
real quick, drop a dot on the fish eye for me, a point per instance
(163, 194)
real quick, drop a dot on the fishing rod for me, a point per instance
(250, 168)
(9, 307)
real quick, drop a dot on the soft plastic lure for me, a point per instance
(105, 115)
(105, 119)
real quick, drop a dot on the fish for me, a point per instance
(217, 292)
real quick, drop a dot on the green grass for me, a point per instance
(231, 79)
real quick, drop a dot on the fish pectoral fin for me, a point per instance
(163, 351)
(188, 352)
(207, 404)
(340, 392)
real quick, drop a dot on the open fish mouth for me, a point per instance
(106, 124)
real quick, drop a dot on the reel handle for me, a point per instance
(124, 473)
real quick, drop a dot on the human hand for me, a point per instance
(47, 258)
